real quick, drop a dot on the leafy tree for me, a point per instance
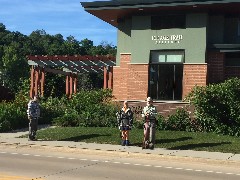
(10, 71)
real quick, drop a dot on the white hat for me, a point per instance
(149, 99)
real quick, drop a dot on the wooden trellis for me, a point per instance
(70, 66)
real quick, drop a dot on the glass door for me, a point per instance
(165, 81)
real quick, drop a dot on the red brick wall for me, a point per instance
(193, 74)
(232, 72)
(130, 81)
(216, 69)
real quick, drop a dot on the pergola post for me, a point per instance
(71, 85)
(110, 78)
(75, 84)
(37, 80)
(67, 85)
(42, 73)
(32, 82)
(105, 78)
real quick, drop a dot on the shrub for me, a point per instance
(217, 106)
(89, 108)
(180, 121)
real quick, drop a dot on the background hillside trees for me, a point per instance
(14, 47)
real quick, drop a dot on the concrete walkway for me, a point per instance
(11, 139)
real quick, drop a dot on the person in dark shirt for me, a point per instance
(125, 122)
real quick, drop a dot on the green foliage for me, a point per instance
(13, 114)
(88, 108)
(179, 121)
(217, 107)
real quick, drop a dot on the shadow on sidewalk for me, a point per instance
(83, 137)
(193, 146)
(162, 141)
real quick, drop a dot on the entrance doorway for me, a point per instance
(166, 75)
(166, 81)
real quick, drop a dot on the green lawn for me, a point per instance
(178, 140)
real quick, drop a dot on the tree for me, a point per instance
(11, 71)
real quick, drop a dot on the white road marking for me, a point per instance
(146, 165)
(71, 158)
(137, 164)
(209, 171)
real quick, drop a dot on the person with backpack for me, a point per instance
(149, 114)
(125, 122)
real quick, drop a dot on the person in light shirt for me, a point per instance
(149, 114)
(33, 113)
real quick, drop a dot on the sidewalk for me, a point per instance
(11, 139)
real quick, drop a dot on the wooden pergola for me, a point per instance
(70, 66)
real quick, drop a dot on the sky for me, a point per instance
(65, 17)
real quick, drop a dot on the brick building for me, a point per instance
(166, 47)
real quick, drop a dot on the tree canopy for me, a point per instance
(14, 46)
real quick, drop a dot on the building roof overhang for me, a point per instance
(116, 11)
(225, 47)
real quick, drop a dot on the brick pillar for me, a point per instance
(216, 69)
(193, 74)
(138, 81)
(130, 81)
(120, 77)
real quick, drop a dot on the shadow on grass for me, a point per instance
(200, 145)
(83, 137)
(161, 141)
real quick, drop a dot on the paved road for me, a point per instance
(30, 163)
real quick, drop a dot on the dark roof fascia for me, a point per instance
(149, 3)
(225, 47)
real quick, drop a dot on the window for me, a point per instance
(232, 59)
(167, 56)
(168, 22)
(239, 27)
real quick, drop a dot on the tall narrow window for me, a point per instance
(239, 27)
